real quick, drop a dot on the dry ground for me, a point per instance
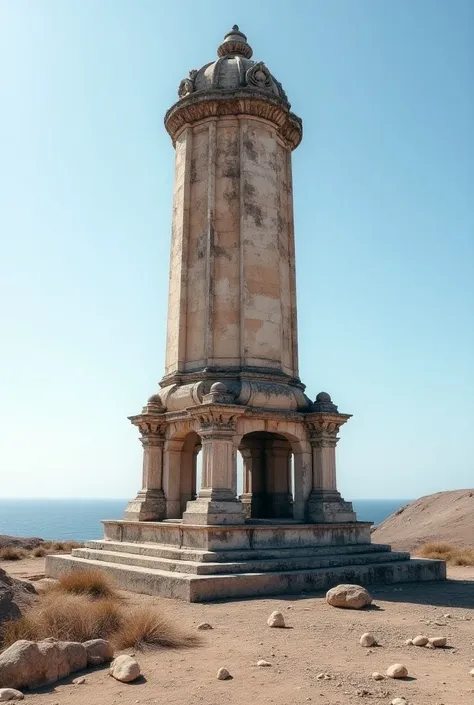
(319, 639)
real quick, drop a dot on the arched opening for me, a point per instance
(267, 486)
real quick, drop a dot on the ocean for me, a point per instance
(79, 519)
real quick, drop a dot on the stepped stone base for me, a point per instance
(205, 563)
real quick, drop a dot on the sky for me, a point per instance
(384, 217)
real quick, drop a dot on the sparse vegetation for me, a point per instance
(92, 582)
(453, 555)
(12, 554)
(144, 629)
(15, 553)
(85, 605)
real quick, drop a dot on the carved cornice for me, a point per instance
(201, 105)
(216, 418)
(323, 427)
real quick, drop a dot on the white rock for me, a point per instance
(367, 639)
(409, 642)
(223, 674)
(397, 670)
(276, 619)
(399, 701)
(472, 671)
(438, 641)
(420, 640)
(124, 668)
(7, 694)
(79, 681)
(263, 663)
(378, 676)
(348, 596)
(203, 626)
(446, 616)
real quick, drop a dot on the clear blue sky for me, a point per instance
(384, 208)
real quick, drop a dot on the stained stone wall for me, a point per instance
(232, 294)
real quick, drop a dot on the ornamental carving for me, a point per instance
(213, 421)
(259, 76)
(152, 428)
(187, 84)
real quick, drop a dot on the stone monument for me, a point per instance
(231, 382)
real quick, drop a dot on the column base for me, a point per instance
(212, 511)
(148, 505)
(328, 507)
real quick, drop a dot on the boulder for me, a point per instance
(14, 596)
(348, 596)
(29, 664)
(98, 651)
(7, 694)
(378, 676)
(125, 669)
(397, 670)
(204, 626)
(276, 619)
(263, 663)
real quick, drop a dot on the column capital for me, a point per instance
(323, 427)
(216, 420)
(152, 428)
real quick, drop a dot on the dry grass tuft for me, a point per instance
(148, 629)
(92, 582)
(71, 617)
(453, 555)
(65, 617)
(12, 554)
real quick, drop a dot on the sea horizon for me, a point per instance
(76, 519)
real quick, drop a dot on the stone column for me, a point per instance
(172, 456)
(325, 504)
(253, 487)
(149, 504)
(216, 502)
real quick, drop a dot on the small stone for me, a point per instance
(367, 639)
(223, 674)
(397, 670)
(378, 676)
(399, 701)
(204, 626)
(446, 616)
(471, 672)
(7, 694)
(276, 619)
(125, 669)
(362, 692)
(320, 676)
(263, 663)
(420, 640)
(79, 681)
(438, 641)
(409, 642)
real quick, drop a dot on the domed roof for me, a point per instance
(232, 70)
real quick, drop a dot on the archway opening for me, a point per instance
(268, 479)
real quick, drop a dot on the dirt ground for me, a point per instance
(318, 639)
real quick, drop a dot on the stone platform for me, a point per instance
(205, 563)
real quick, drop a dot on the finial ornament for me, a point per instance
(235, 42)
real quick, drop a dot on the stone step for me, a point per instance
(205, 588)
(234, 555)
(286, 563)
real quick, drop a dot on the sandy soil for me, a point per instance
(444, 516)
(318, 639)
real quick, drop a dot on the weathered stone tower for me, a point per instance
(231, 382)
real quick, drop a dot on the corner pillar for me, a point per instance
(149, 504)
(325, 504)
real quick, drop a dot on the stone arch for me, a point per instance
(296, 436)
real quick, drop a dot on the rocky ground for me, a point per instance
(318, 640)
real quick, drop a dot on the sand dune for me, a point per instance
(444, 516)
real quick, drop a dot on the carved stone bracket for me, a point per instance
(216, 419)
(152, 428)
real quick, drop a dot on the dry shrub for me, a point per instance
(39, 552)
(453, 555)
(12, 554)
(143, 628)
(92, 582)
(65, 617)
